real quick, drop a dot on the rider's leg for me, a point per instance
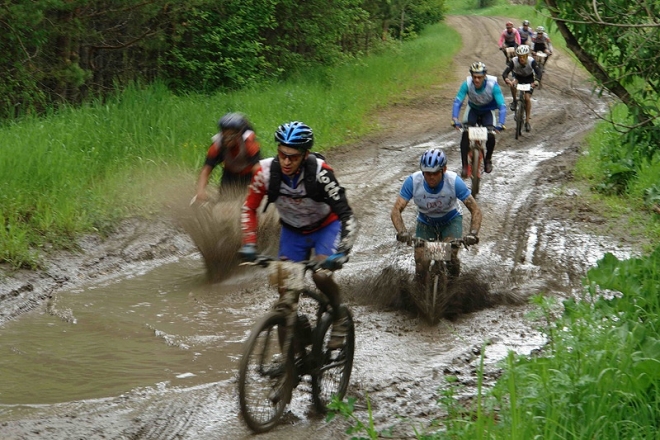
(528, 110)
(453, 230)
(465, 147)
(490, 147)
(324, 245)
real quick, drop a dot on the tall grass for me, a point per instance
(82, 170)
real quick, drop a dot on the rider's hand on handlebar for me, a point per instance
(334, 261)
(404, 237)
(248, 252)
(456, 124)
(471, 239)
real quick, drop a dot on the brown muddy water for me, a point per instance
(166, 326)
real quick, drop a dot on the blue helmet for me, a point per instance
(295, 135)
(432, 161)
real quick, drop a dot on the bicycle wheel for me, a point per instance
(264, 383)
(520, 115)
(476, 171)
(331, 375)
(436, 283)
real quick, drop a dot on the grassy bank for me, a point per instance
(82, 170)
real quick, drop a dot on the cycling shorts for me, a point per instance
(296, 246)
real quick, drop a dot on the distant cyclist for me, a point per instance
(436, 193)
(509, 38)
(525, 70)
(235, 147)
(484, 98)
(526, 33)
(541, 42)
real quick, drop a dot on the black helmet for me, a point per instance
(233, 121)
(295, 135)
(525, 22)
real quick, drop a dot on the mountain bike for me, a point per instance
(477, 136)
(509, 52)
(431, 297)
(541, 58)
(285, 346)
(519, 115)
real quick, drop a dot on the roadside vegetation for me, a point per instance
(83, 169)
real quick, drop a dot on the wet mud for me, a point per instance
(537, 238)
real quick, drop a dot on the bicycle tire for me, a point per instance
(520, 115)
(332, 373)
(262, 370)
(475, 172)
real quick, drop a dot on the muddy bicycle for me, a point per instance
(431, 297)
(520, 112)
(477, 135)
(285, 346)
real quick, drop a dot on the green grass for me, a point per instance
(82, 170)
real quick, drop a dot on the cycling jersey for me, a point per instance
(297, 210)
(525, 34)
(237, 161)
(541, 42)
(525, 74)
(484, 100)
(509, 39)
(435, 206)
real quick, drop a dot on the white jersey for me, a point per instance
(436, 205)
(293, 207)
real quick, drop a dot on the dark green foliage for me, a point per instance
(617, 41)
(70, 51)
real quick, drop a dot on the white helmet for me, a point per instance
(523, 49)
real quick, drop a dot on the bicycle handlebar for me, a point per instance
(466, 241)
(313, 265)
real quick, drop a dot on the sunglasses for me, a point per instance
(292, 157)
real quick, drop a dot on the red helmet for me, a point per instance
(509, 24)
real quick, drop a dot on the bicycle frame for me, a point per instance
(478, 136)
(519, 116)
(302, 349)
(433, 256)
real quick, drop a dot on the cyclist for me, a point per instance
(436, 193)
(541, 42)
(525, 70)
(313, 209)
(236, 148)
(526, 33)
(509, 38)
(484, 97)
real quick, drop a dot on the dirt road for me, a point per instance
(537, 237)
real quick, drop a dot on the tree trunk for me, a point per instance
(592, 65)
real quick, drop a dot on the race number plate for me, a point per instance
(438, 251)
(286, 275)
(524, 87)
(477, 133)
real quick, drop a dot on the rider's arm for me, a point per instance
(517, 36)
(501, 103)
(458, 101)
(335, 196)
(509, 68)
(253, 148)
(537, 70)
(475, 214)
(249, 221)
(401, 202)
(501, 42)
